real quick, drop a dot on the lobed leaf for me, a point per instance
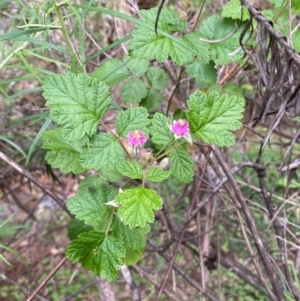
(130, 169)
(137, 206)
(89, 204)
(103, 153)
(157, 78)
(77, 101)
(157, 174)
(132, 119)
(133, 91)
(63, 154)
(212, 117)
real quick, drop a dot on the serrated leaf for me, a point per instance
(133, 91)
(157, 78)
(182, 165)
(77, 101)
(103, 153)
(228, 49)
(89, 205)
(108, 258)
(76, 227)
(100, 253)
(203, 73)
(212, 117)
(132, 119)
(134, 238)
(84, 245)
(152, 101)
(63, 154)
(130, 169)
(137, 206)
(137, 66)
(145, 43)
(112, 72)
(156, 174)
(161, 134)
(168, 18)
(233, 10)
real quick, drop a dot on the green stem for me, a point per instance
(65, 34)
(171, 149)
(110, 221)
(163, 148)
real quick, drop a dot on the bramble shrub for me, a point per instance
(112, 220)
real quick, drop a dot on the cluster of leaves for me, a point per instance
(111, 226)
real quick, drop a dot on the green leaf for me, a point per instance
(77, 227)
(233, 10)
(212, 117)
(152, 101)
(108, 258)
(229, 88)
(203, 73)
(156, 174)
(133, 91)
(145, 43)
(130, 169)
(84, 245)
(137, 66)
(157, 78)
(161, 134)
(111, 72)
(63, 154)
(168, 19)
(132, 256)
(91, 182)
(137, 206)
(228, 49)
(89, 205)
(97, 252)
(134, 239)
(182, 165)
(132, 119)
(103, 153)
(77, 101)
(112, 175)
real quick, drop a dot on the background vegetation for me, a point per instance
(204, 244)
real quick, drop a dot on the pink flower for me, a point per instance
(180, 128)
(136, 138)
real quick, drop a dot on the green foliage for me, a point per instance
(133, 91)
(89, 204)
(112, 72)
(78, 102)
(160, 132)
(203, 73)
(132, 119)
(145, 43)
(223, 35)
(233, 10)
(156, 174)
(137, 206)
(182, 165)
(104, 152)
(130, 169)
(62, 154)
(212, 117)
